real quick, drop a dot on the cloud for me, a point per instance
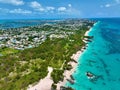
(35, 4)
(108, 5)
(117, 1)
(13, 2)
(62, 9)
(70, 11)
(69, 5)
(14, 11)
(20, 11)
(38, 7)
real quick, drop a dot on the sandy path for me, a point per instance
(43, 84)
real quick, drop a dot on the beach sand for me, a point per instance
(43, 84)
(86, 33)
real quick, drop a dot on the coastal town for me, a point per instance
(28, 37)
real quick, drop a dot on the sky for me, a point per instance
(38, 9)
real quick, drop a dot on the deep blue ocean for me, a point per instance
(6, 24)
(101, 58)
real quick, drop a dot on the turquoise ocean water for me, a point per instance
(102, 58)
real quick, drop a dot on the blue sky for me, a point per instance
(27, 9)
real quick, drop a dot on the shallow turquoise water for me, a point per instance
(102, 58)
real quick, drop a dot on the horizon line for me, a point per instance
(54, 18)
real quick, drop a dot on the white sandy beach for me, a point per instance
(86, 33)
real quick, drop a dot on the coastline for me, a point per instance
(67, 73)
(42, 85)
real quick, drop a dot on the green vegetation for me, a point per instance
(53, 87)
(57, 75)
(6, 51)
(18, 69)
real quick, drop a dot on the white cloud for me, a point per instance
(20, 11)
(62, 9)
(107, 5)
(68, 11)
(13, 2)
(38, 7)
(116, 2)
(35, 4)
(69, 5)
